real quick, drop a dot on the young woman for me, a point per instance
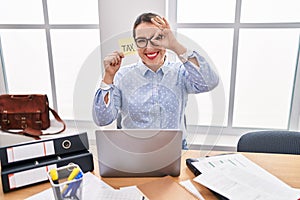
(152, 93)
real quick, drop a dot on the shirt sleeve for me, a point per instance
(105, 113)
(199, 79)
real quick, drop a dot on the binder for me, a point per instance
(11, 155)
(31, 172)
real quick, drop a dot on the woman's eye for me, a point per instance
(141, 41)
(159, 37)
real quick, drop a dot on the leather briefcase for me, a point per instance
(30, 113)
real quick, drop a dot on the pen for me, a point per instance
(221, 154)
(54, 176)
(73, 174)
(74, 186)
(189, 164)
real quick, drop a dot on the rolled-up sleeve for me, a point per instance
(105, 113)
(200, 79)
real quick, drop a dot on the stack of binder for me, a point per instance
(27, 163)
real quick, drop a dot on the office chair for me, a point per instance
(119, 120)
(286, 142)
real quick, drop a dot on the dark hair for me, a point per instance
(145, 17)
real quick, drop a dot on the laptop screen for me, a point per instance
(134, 152)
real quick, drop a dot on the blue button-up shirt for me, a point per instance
(156, 100)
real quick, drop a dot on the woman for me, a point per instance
(153, 92)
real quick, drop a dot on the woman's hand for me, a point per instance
(112, 63)
(165, 37)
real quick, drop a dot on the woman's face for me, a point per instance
(152, 55)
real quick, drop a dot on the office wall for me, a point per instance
(2, 80)
(117, 18)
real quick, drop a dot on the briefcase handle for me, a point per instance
(37, 133)
(21, 97)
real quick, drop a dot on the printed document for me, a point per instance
(236, 177)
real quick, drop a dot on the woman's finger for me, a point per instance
(166, 22)
(114, 59)
(157, 21)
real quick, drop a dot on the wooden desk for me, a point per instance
(285, 167)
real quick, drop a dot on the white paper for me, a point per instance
(236, 177)
(238, 160)
(191, 188)
(95, 188)
(90, 183)
(131, 193)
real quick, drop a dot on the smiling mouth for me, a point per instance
(151, 55)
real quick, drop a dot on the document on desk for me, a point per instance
(100, 190)
(235, 177)
(187, 184)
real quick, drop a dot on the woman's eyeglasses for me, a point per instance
(142, 42)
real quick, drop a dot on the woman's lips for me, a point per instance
(151, 55)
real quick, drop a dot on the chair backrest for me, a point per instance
(119, 120)
(286, 142)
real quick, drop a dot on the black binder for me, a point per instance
(34, 171)
(11, 155)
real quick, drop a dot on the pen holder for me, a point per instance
(66, 182)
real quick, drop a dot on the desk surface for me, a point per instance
(285, 167)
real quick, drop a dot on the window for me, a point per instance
(265, 77)
(45, 45)
(73, 12)
(204, 11)
(21, 12)
(270, 11)
(255, 46)
(218, 45)
(25, 52)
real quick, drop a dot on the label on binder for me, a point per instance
(28, 177)
(25, 152)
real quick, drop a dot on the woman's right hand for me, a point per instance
(112, 63)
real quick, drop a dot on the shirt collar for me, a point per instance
(144, 69)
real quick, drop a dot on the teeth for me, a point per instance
(152, 54)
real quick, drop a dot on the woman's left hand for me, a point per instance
(164, 36)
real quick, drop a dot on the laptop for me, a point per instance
(139, 153)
